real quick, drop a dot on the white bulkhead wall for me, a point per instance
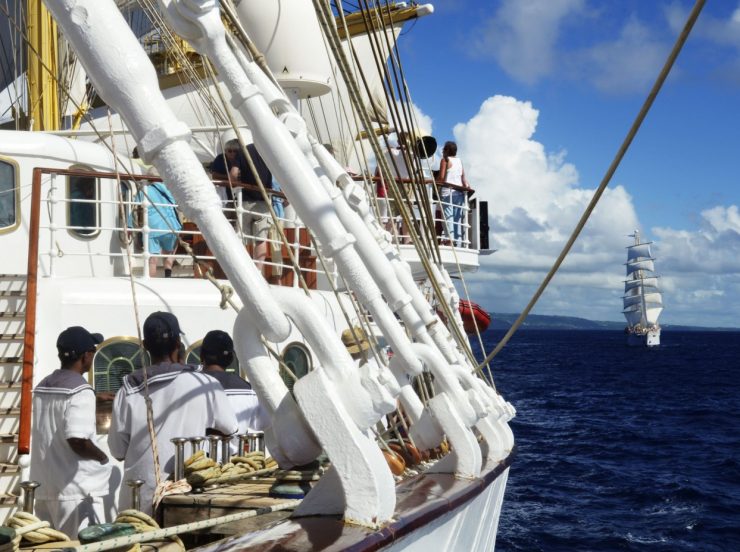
(80, 255)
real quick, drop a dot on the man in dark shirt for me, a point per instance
(231, 165)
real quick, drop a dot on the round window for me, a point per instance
(114, 360)
(295, 363)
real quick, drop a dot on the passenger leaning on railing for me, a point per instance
(163, 222)
(232, 166)
(397, 162)
(451, 172)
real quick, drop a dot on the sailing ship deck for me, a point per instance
(422, 500)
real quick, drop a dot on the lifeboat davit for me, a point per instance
(473, 314)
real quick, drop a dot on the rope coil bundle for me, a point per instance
(202, 471)
(29, 528)
(142, 523)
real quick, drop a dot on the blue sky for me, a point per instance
(539, 95)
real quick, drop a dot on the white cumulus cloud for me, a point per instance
(531, 41)
(522, 35)
(629, 62)
(535, 201)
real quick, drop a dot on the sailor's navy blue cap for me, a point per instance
(76, 340)
(216, 342)
(161, 326)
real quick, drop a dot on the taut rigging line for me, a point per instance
(647, 104)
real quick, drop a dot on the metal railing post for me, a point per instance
(145, 234)
(52, 227)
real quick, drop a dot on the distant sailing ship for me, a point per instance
(643, 301)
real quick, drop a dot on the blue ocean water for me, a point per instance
(622, 448)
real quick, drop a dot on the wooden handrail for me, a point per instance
(248, 187)
(29, 342)
(29, 338)
(144, 177)
(466, 189)
(427, 181)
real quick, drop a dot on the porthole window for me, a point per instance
(83, 207)
(114, 360)
(296, 363)
(8, 197)
(192, 356)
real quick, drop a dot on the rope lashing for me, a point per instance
(160, 534)
(31, 529)
(680, 41)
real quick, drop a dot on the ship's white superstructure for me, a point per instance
(71, 260)
(642, 300)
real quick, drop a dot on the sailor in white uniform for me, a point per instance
(184, 401)
(73, 472)
(217, 354)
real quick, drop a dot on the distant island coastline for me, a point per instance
(504, 320)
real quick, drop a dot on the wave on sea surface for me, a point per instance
(621, 448)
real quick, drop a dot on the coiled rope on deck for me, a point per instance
(159, 534)
(31, 529)
(647, 104)
(143, 523)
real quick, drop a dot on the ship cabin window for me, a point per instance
(192, 356)
(8, 197)
(295, 363)
(83, 211)
(114, 360)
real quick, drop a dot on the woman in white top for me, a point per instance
(451, 172)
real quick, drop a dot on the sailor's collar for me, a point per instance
(231, 382)
(158, 373)
(66, 382)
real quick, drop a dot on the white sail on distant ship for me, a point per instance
(643, 300)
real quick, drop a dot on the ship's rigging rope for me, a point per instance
(160, 534)
(402, 118)
(323, 12)
(362, 315)
(409, 121)
(422, 242)
(345, 114)
(647, 104)
(225, 290)
(137, 318)
(31, 529)
(174, 47)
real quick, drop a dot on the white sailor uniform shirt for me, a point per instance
(185, 402)
(249, 413)
(64, 408)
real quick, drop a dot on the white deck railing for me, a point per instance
(451, 212)
(73, 231)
